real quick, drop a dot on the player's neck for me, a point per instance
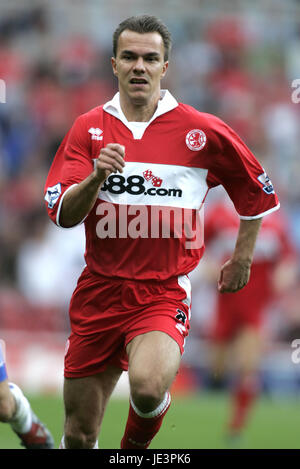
(138, 111)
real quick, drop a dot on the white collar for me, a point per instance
(165, 104)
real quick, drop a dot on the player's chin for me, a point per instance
(139, 97)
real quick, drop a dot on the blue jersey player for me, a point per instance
(16, 411)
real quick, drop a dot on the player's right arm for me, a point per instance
(80, 199)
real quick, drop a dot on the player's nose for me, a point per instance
(139, 65)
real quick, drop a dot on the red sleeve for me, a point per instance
(71, 165)
(238, 171)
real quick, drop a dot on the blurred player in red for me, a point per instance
(120, 169)
(16, 411)
(239, 320)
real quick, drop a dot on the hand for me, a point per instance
(234, 276)
(110, 160)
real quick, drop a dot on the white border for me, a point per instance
(59, 209)
(261, 214)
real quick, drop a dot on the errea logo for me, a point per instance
(96, 133)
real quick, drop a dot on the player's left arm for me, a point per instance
(250, 189)
(235, 273)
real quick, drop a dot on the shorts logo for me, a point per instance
(266, 183)
(52, 195)
(180, 316)
(195, 139)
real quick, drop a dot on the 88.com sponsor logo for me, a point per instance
(136, 185)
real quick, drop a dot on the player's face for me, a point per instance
(140, 66)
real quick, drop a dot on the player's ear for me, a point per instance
(165, 68)
(114, 66)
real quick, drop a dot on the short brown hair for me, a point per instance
(144, 24)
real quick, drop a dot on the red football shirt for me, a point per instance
(145, 222)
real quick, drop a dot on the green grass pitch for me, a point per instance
(195, 421)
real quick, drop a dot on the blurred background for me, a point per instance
(235, 59)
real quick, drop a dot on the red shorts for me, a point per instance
(106, 314)
(244, 308)
(233, 315)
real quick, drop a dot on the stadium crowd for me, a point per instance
(239, 67)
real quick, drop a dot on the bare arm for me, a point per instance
(235, 273)
(80, 199)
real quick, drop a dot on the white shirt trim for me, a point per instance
(261, 214)
(137, 129)
(59, 209)
(166, 103)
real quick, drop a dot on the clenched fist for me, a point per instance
(110, 160)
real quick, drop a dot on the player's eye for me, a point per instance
(151, 59)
